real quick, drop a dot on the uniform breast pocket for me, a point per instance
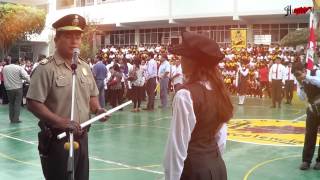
(84, 81)
(62, 82)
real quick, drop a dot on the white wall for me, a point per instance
(39, 48)
(202, 8)
(112, 13)
(152, 10)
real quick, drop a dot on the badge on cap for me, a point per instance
(84, 71)
(75, 21)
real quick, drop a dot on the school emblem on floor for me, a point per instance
(267, 132)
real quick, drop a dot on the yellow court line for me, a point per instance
(16, 160)
(264, 163)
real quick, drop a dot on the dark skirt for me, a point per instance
(209, 167)
(243, 87)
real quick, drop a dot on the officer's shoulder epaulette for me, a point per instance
(83, 60)
(46, 60)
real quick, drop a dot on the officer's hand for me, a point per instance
(101, 111)
(75, 127)
(66, 125)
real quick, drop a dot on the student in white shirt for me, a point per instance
(290, 81)
(151, 81)
(276, 77)
(163, 75)
(177, 76)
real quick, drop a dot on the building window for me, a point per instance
(283, 32)
(275, 35)
(303, 25)
(284, 26)
(63, 4)
(82, 3)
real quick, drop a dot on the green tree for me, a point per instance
(86, 49)
(18, 22)
(298, 37)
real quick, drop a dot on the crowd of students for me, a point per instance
(125, 62)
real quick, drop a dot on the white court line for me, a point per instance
(129, 125)
(17, 128)
(17, 139)
(296, 119)
(125, 165)
(94, 158)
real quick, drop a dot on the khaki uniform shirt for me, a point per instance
(51, 84)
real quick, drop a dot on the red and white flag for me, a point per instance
(311, 47)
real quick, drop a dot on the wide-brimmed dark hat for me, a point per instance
(71, 22)
(198, 48)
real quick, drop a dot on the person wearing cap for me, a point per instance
(200, 109)
(49, 99)
(308, 88)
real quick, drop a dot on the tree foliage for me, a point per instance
(18, 22)
(297, 37)
(86, 49)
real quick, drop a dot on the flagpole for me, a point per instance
(315, 26)
(311, 43)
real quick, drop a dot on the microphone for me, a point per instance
(75, 56)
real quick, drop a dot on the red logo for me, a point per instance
(297, 11)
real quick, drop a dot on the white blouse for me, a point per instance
(182, 125)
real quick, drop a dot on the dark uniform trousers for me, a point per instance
(312, 126)
(15, 99)
(276, 91)
(312, 122)
(54, 162)
(289, 85)
(151, 88)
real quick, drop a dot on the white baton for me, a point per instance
(96, 118)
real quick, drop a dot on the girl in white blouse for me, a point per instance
(200, 109)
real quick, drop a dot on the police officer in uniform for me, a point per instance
(309, 88)
(49, 99)
(200, 109)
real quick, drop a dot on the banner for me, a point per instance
(262, 39)
(238, 38)
(316, 4)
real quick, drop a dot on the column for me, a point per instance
(136, 37)
(250, 34)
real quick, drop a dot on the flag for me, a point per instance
(311, 48)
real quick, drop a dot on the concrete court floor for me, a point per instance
(264, 144)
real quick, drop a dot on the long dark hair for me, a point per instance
(224, 106)
(137, 62)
